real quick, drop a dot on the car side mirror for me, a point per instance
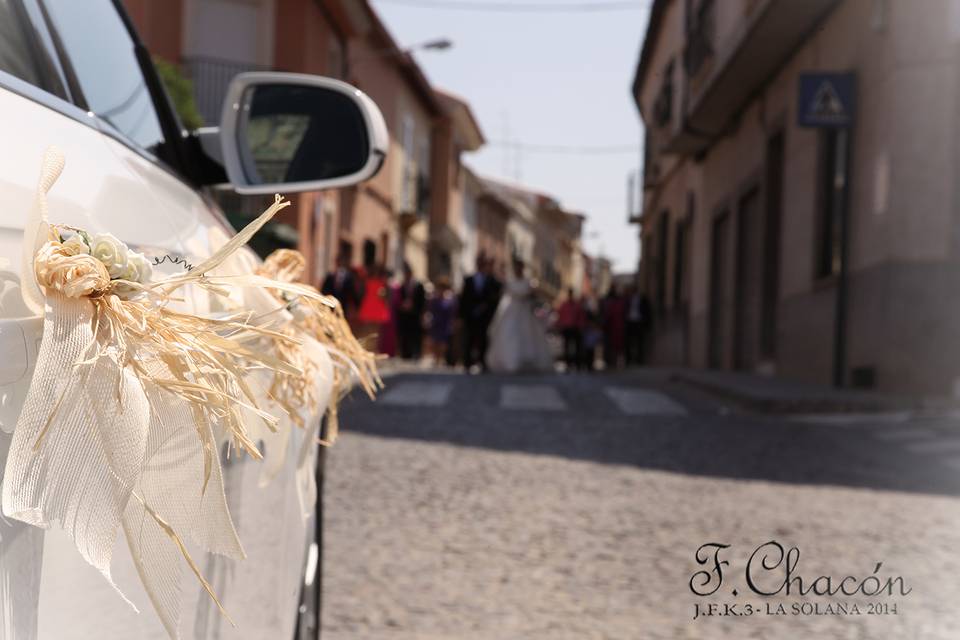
(294, 132)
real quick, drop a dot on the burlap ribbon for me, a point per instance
(129, 399)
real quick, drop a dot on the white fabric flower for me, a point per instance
(76, 245)
(111, 252)
(138, 268)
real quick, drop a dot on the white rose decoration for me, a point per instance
(138, 268)
(76, 245)
(111, 252)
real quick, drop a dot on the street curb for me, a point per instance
(856, 402)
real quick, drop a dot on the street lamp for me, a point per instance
(436, 44)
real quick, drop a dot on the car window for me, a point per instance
(20, 54)
(102, 55)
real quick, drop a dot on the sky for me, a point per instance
(543, 78)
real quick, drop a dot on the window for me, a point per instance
(679, 262)
(700, 29)
(650, 168)
(409, 175)
(369, 253)
(830, 192)
(21, 53)
(423, 176)
(663, 106)
(773, 188)
(345, 251)
(106, 67)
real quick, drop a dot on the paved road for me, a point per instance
(485, 507)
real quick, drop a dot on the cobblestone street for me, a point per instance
(573, 506)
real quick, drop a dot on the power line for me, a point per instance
(569, 149)
(525, 7)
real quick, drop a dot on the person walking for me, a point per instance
(479, 298)
(637, 320)
(374, 314)
(388, 339)
(518, 338)
(442, 311)
(613, 311)
(592, 339)
(410, 309)
(343, 285)
(571, 321)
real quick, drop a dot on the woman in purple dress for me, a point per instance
(443, 310)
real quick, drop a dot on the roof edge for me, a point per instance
(654, 24)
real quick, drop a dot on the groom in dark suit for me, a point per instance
(478, 302)
(342, 284)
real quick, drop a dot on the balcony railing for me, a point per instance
(211, 77)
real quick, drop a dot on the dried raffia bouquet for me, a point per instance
(320, 317)
(319, 323)
(129, 399)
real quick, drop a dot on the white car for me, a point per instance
(75, 75)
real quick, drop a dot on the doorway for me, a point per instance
(750, 281)
(773, 188)
(721, 290)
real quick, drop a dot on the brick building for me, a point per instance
(386, 220)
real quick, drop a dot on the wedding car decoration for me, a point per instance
(131, 400)
(315, 320)
(321, 317)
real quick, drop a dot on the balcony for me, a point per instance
(414, 197)
(721, 77)
(211, 77)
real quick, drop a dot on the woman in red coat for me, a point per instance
(374, 314)
(614, 327)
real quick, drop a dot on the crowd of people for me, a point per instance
(491, 321)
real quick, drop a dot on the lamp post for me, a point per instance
(435, 44)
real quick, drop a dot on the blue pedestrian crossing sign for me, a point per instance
(826, 100)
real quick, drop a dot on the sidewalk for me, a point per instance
(390, 367)
(777, 395)
(761, 394)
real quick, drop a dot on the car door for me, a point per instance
(65, 84)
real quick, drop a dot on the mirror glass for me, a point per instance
(293, 133)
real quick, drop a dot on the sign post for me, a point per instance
(827, 101)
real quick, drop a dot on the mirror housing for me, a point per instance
(290, 132)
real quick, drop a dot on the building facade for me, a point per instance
(803, 252)
(493, 215)
(545, 236)
(386, 220)
(473, 189)
(456, 133)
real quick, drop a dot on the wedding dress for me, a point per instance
(518, 340)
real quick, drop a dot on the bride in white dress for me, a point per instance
(518, 340)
